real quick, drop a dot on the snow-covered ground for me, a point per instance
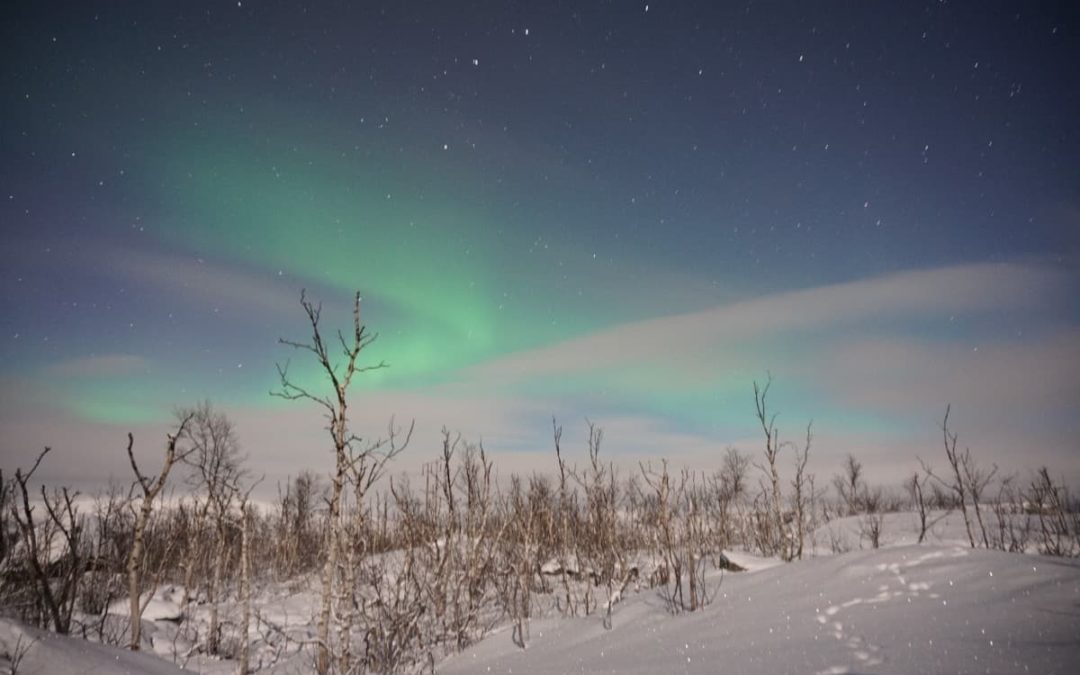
(908, 609)
(29, 651)
(904, 608)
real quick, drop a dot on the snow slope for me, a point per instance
(941, 607)
(45, 653)
(909, 609)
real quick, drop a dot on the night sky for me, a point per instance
(624, 211)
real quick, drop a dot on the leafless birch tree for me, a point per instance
(772, 452)
(352, 456)
(151, 487)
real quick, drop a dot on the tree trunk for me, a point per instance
(134, 571)
(245, 593)
(213, 639)
(322, 660)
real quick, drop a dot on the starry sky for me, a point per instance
(625, 211)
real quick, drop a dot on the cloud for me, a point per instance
(107, 365)
(1015, 396)
(193, 277)
(992, 380)
(907, 295)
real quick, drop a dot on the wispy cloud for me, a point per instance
(205, 281)
(917, 294)
(990, 379)
(1012, 390)
(106, 365)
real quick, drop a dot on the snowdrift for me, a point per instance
(935, 608)
(29, 651)
(909, 609)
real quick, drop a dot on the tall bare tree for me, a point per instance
(772, 452)
(214, 454)
(352, 456)
(151, 487)
(959, 483)
(247, 517)
(799, 485)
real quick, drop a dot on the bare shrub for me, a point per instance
(729, 489)
(916, 487)
(850, 485)
(776, 542)
(966, 482)
(871, 522)
(680, 537)
(52, 555)
(1013, 524)
(295, 531)
(801, 485)
(665, 542)
(1057, 519)
(518, 554)
(217, 467)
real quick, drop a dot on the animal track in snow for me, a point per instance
(898, 586)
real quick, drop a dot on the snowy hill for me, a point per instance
(940, 607)
(909, 609)
(29, 651)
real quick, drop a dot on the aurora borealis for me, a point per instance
(624, 211)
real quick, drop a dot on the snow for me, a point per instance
(163, 606)
(902, 528)
(936, 607)
(50, 654)
(751, 562)
(930, 608)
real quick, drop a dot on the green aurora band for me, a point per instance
(446, 284)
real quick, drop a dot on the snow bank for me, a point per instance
(163, 606)
(46, 653)
(941, 608)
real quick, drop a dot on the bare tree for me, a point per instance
(730, 489)
(872, 520)
(109, 546)
(596, 548)
(733, 473)
(694, 539)
(214, 454)
(1050, 503)
(247, 518)
(977, 479)
(366, 466)
(29, 530)
(151, 487)
(958, 485)
(915, 486)
(56, 577)
(566, 510)
(849, 485)
(516, 584)
(799, 489)
(352, 456)
(296, 535)
(676, 518)
(17, 652)
(1013, 527)
(772, 452)
(665, 534)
